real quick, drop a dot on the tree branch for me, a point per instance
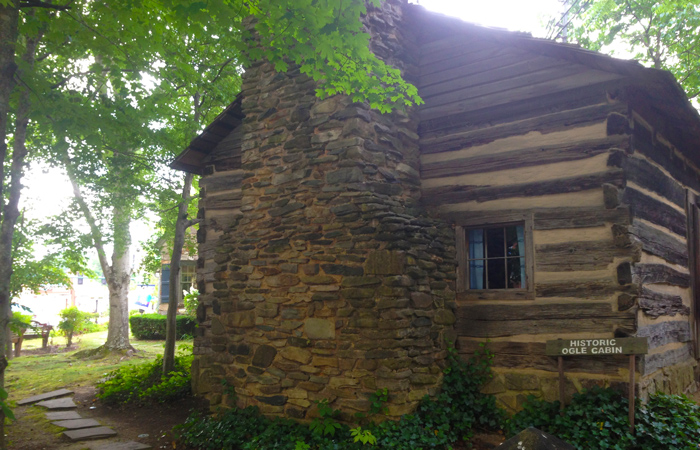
(39, 4)
(95, 232)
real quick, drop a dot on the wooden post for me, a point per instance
(561, 383)
(631, 392)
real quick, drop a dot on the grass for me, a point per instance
(35, 374)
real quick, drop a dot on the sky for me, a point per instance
(515, 15)
(48, 191)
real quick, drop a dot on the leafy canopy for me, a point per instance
(662, 34)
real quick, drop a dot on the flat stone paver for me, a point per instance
(59, 403)
(131, 445)
(89, 433)
(76, 424)
(40, 397)
(63, 415)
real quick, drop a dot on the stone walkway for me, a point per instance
(62, 414)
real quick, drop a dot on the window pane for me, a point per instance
(516, 273)
(495, 244)
(477, 274)
(497, 273)
(515, 240)
(476, 244)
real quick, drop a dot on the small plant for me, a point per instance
(378, 401)
(137, 384)
(3, 405)
(364, 436)
(325, 425)
(597, 420)
(72, 323)
(191, 301)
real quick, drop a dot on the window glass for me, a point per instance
(496, 257)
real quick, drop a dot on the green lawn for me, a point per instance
(34, 374)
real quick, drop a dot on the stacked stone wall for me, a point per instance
(327, 281)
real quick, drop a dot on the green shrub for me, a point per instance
(438, 423)
(152, 326)
(20, 323)
(144, 383)
(73, 322)
(597, 420)
(191, 301)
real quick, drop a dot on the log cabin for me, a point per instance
(542, 191)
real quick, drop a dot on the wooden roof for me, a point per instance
(190, 160)
(651, 90)
(654, 91)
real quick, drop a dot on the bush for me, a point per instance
(438, 423)
(597, 420)
(191, 301)
(73, 322)
(152, 326)
(144, 383)
(20, 323)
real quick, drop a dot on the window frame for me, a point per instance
(494, 221)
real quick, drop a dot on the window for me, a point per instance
(496, 259)
(188, 276)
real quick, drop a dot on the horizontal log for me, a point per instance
(650, 363)
(490, 68)
(530, 355)
(659, 243)
(531, 107)
(461, 194)
(562, 84)
(588, 289)
(576, 256)
(544, 218)
(561, 218)
(650, 177)
(221, 181)
(439, 54)
(231, 200)
(657, 304)
(516, 159)
(510, 320)
(660, 334)
(659, 274)
(655, 211)
(506, 84)
(466, 136)
(665, 157)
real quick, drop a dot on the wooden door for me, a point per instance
(693, 212)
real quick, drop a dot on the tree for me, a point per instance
(662, 34)
(77, 81)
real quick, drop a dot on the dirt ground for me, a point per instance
(150, 425)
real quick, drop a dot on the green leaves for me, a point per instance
(661, 34)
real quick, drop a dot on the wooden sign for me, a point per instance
(597, 347)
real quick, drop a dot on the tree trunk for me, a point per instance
(118, 274)
(118, 331)
(181, 225)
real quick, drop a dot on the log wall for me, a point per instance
(657, 191)
(508, 135)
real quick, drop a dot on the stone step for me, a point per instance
(63, 415)
(59, 403)
(46, 396)
(76, 424)
(131, 445)
(89, 433)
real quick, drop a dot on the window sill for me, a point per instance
(496, 294)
